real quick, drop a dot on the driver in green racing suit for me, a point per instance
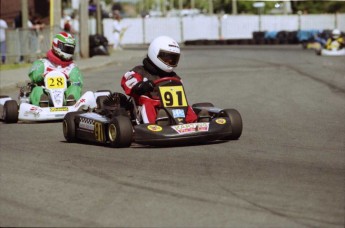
(60, 58)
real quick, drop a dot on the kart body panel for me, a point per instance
(326, 52)
(182, 134)
(29, 112)
(91, 127)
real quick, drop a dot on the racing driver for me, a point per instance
(59, 57)
(162, 58)
(335, 40)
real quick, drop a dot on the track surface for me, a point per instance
(287, 169)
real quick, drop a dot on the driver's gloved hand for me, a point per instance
(144, 87)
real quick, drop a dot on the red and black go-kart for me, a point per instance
(118, 122)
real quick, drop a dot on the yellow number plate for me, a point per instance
(56, 82)
(173, 96)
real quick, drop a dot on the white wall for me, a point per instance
(143, 31)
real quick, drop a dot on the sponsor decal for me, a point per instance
(178, 113)
(79, 102)
(174, 45)
(95, 116)
(191, 128)
(61, 109)
(33, 111)
(154, 128)
(86, 124)
(180, 119)
(220, 121)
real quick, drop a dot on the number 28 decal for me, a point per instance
(173, 96)
(56, 82)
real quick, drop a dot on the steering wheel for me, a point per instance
(163, 82)
(168, 80)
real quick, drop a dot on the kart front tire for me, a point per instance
(120, 132)
(68, 126)
(235, 121)
(318, 52)
(10, 111)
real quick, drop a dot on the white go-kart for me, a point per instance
(55, 85)
(334, 51)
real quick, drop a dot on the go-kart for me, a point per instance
(55, 85)
(171, 127)
(117, 120)
(335, 50)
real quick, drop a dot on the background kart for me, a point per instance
(336, 49)
(11, 112)
(117, 121)
(54, 86)
(325, 52)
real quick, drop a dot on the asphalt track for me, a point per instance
(286, 170)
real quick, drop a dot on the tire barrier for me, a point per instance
(272, 38)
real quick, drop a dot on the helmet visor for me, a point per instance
(169, 58)
(66, 48)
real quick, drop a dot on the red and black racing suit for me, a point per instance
(138, 83)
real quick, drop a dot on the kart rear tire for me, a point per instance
(318, 52)
(68, 126)
(10, 111)
(235, 121)
(120, 132)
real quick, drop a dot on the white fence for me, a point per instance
(143, 30)
(27, 44)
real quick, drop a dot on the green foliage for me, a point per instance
(13, 66)
(317, 7)
(246, 6)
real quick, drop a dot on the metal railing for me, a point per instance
(27, 45)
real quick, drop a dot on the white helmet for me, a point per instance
(164, 52)
(336, 33)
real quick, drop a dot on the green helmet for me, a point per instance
(63, 46)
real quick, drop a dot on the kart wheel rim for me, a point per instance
(112, 132)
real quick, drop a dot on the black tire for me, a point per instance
(120, 132)
(10, 111)
(318, 52)
(100, 100)
(68, 126)
(304, 44)
(236, 123)
(203, 104)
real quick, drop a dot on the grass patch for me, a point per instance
(14, 66)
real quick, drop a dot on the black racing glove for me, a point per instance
(143, 87)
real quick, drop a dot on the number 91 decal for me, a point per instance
(173, 96)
